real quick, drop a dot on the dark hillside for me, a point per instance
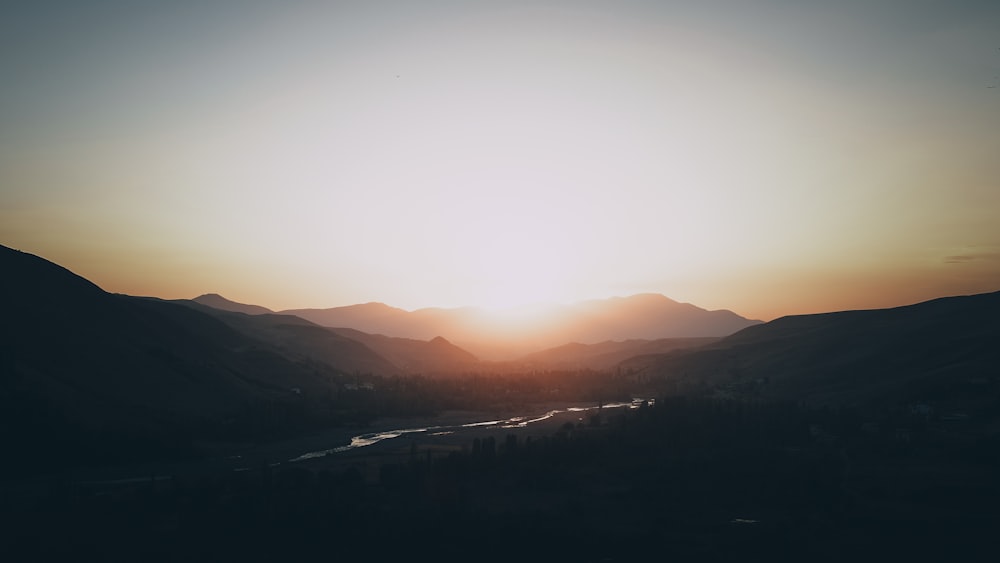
(608, 354)
(920, 352)
(216, 301)
(79, 365)
(300, 338)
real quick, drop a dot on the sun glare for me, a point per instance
(510, 291)
(519, 267)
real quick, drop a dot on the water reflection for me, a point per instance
(363, 440)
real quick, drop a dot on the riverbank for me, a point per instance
(400, 440)
(440, 434)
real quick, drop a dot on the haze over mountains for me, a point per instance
(299, 338)
(512, 334)
(346, 349)
(80, 367)
(53, 308)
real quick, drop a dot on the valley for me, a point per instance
(192, 432)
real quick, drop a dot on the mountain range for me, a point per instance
(516, 333)
(608, 354)
(80, 366)
(936, 351)
(346, 349)
(92, 375)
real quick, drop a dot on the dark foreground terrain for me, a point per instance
(681, 479)
(851, 436)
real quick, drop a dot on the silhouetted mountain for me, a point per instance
(216, 301)
(347, 349)
(608, 354)
(416, 356)
(373, 318)
(306, 341)
(647, 316)
(940, 350)
(79, 364)
(513, 334)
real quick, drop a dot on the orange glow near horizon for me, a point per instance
(442, 154)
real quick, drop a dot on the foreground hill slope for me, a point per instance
(924, 352)
(77, 362)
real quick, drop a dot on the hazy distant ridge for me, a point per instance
(607, 354)
(644, 316)
(346, 349)
(300, 338)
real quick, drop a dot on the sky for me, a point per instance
(770, 157)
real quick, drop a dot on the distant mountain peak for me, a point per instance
(648, 297)
(444, 347)
(659, 298)
(378, 305)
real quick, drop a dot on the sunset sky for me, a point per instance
(769, 157)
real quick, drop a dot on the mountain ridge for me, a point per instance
(493, 336)
(82, 369)
(907, 353)
(300, 338)
(216, 301)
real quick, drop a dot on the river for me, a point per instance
(372, 438)
(453, 428)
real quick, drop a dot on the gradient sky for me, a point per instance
(769, 157)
